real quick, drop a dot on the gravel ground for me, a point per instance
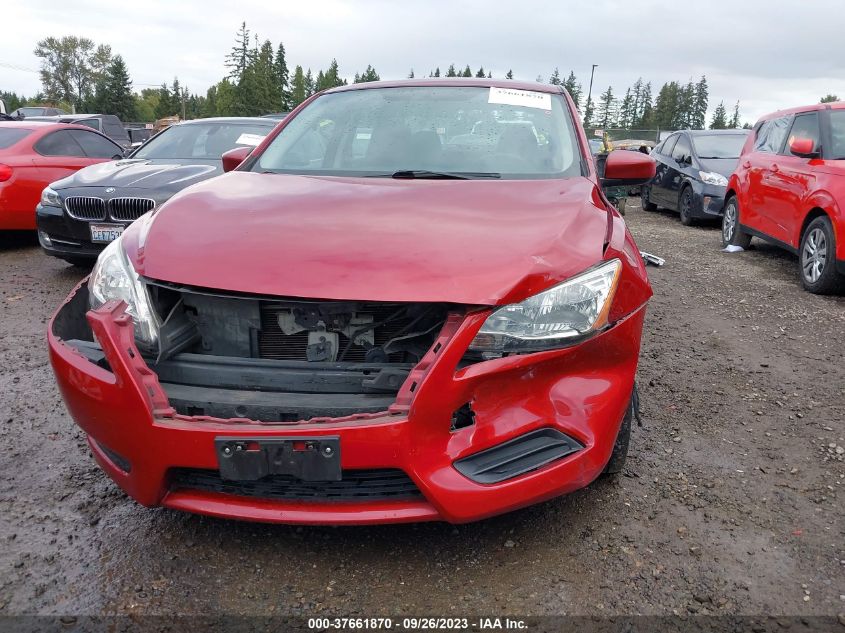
(731, 501)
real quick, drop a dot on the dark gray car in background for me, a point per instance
(79, 215)
(693, 168)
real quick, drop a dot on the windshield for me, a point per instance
(837, 134)
(719, 145)
(473, 132)
(202, 140)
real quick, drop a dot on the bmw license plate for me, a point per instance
(106, 232)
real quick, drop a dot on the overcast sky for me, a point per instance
(766, 54)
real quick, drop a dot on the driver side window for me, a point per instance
(682, 149)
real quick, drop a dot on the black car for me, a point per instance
(30, 111)
(693, 168)
(108, 124)
(80, 214)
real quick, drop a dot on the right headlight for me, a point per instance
(712, 178)
(49, 198)
(552, 319)
(114, 277)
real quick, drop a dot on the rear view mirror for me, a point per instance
(235, 157)
(805, 147)
(628, 169)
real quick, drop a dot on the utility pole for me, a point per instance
(587, 108)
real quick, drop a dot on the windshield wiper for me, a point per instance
(444, 175)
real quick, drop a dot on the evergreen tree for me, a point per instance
(282, 79)
(720, 117)
(555, 78)
(117, 98)
(489, 74)
(467, 71)
(666, 107)
(368, 75)
(627, 114)
(829, 98)
(509, 74)
(162, 106)
(298, 87)
(734, 122)
(450, 72)
(310, 83)
(226, 98)
(480, 74)
(573, 88)
(411, 74)
(698, 117)
(607, 108)
(437, 71)
(588, 111)
(539, 79)
(645, 112)
(210, 106)
(238, 59)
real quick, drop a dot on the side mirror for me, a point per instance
(805, 147)
(628, 169)
(235, 157)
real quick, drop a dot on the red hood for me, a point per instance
(379, 239)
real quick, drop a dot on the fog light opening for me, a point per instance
(462, 417)
(45, 239)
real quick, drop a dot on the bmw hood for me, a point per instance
(158, 176)
(381, 239)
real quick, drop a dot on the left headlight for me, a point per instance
(114, 277)
(555, 318)
(49, 198)
(712, 178)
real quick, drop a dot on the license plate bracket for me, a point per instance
(306, 458)
(105, 233)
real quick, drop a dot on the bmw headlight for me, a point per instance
(114, 277)
(555, 318)
(49, 198)
(712, 178)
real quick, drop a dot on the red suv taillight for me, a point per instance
(5, 172)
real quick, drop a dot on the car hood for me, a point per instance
(724, 166)
(163, 175)
(379, 239)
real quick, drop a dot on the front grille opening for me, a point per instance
(129, 209)
(356, 485)
(86, 208)
(462, 417)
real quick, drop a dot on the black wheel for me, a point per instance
(645, 198)
(685, 206)
(623, 440)
(732, 234)
(81, 262)
(818, 258)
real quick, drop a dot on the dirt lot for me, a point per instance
(732, 500)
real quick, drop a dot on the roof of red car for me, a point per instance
(453, 81)
(836, 105)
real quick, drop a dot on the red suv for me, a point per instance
(789, 190)
(382, 314)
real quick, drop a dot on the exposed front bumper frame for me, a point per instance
(583, 391)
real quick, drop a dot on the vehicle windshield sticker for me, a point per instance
(250, 139)
(524, 98)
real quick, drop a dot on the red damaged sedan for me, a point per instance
(411, 302)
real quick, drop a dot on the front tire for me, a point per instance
(732, 234)
(645, 198)
(623, 441)
(685, 202)
(817, 257)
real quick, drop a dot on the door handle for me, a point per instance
(746, 164)
(775, 168)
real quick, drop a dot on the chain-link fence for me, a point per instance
(625, 134)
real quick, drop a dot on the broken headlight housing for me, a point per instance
(114, 278)
(555, 318)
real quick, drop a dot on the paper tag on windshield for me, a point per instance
(249, 139)
(524, 98)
